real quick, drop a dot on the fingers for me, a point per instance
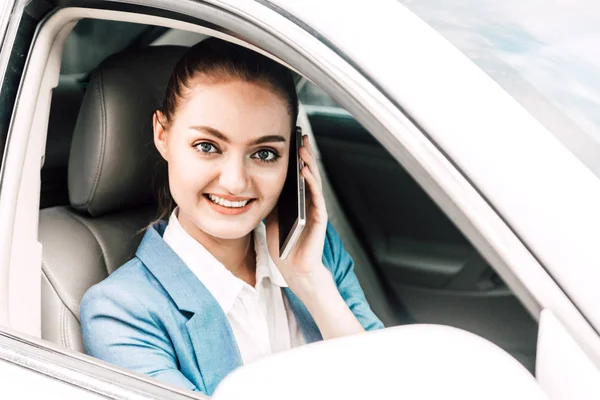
(315, 190)
(306, 153)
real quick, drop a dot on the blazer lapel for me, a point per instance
(214, 344)
(307, 324)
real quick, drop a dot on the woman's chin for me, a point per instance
(224, 226)
(232, 228)
(229, 232)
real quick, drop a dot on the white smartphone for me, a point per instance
(291, 206)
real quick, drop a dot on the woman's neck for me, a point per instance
(237, 255)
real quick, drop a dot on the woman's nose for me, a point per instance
(234, 177)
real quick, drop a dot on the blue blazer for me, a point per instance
(155, 317)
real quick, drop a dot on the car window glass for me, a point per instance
(12, 77)
(544, 53)
(91, 41)
(311, 95)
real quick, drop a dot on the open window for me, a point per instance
(428, 271)
(413, 263)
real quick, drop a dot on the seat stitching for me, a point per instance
(62, 334)
(63, 330)
(66, 327)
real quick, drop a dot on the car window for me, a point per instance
(544, 53)
(310, 94)
(92, 40)
(14, 71)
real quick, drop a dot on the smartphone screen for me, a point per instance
(291, 204)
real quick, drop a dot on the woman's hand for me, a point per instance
(303, 269)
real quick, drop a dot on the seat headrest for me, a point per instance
(113, 160)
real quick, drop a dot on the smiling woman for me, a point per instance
(237, 161)
(224, 130)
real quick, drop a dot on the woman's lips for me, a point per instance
(228, 210)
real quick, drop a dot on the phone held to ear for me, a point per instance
(291, 206)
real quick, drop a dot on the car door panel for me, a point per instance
(428, 265)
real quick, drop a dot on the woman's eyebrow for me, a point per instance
(213, 132)
(220, 135)
(267, 139)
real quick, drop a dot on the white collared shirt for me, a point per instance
(261, 318)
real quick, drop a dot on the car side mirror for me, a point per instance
(407, 362)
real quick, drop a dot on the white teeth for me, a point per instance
(227, 203)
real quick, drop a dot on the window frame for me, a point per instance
(17, 29)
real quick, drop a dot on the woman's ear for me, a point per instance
(160, 134)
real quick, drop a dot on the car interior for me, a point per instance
(98, 181)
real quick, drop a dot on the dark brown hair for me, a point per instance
(216, 60)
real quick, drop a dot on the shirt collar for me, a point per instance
(220, 282)
(265, 267)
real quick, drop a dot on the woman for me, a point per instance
(207, 291)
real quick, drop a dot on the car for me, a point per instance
(459, 148)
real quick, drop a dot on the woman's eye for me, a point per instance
(266, 155)
(206, 147)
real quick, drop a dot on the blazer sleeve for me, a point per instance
(118, 329)
(341, 266)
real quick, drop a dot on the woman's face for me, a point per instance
(227, 150)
